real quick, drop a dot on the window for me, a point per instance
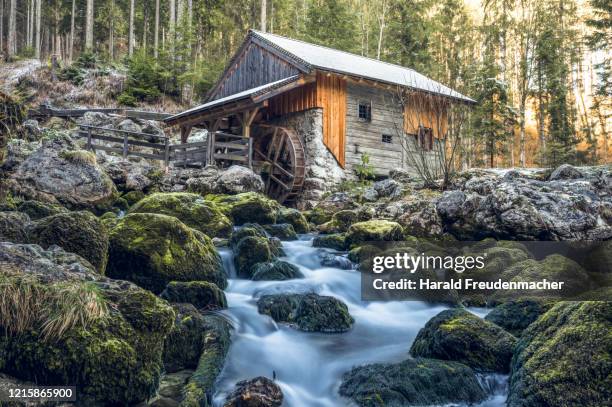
(387, 138)
(365, 111)
(426, 138)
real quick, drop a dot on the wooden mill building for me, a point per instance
(303, 115)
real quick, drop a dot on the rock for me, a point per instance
(198, 136)
(248, 229)
(420, 218)
(238, 179)
(401, 175)
(413, 382)
(563, 359)
(333, 203)
(133, 196)
(370, 195)
(336, 241)
(151, 127)
(13, 227)
(307, 312)
(202, 294)
(104, 336)
(129, 125)
(516, 316)
(340, 262)
(257, 392)
(388, 188)
(249, 251)
(152, 250)
(97, 119)
(32, 130)
(284, 231)
(170, 390)
(376, 230)
(191, 209)
(565, 172)
(340, 222)
(58, 172)
(38, 210)
(294, 218)
(247, 207)
(461, 336)
(183, 345)
(77, 232)
(276, 270)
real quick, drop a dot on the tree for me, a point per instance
(89, 23)
(156, 34)
(38, 28)
(131, 30)
(72, 13)
(262, 21)
(11, 47)
(331, 23)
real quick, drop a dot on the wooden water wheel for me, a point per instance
(279, 157)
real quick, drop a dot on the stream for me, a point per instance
(309, 366)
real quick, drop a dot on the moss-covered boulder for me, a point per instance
(283, 231)
(248, 252)
(307, 312)
(360, 254)
(152, 250)
(191, 209)
(184, 343)
(336, 241)
(376, 230)
(133, 196)
(295, 218)
(66, 323)
(459, 335)
(247, 207)
(516, 316)
(257, 392)
(78, 232)
(38, 210)
(413, 382)
(563, 359)
(202, 294)
(13, 227)
(340, 222)
(276, 270)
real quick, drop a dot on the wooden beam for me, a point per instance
(185, 131)
(292, 85)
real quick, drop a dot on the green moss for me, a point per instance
(516, 316)
(461, 336)
(78, 156)
(78, 232)
(152, 250)
(183, 346)
(283, 231)
(336, 241)
(38, 210)
(247, 207)
(13, 227)
(133, 196)
(202, 294)
(276, 270)
(295, 218)
(249, 251)
(376, 230)
(189, 208)
(340, 222)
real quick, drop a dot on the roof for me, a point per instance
(317, 56)
(249, 93)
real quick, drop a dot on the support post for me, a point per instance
(166, 154)
(211, 152)
(125, 145)
(89, 138)
(250, 158)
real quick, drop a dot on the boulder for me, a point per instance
(461, 336)
(276, 270)
(133, 196)
(331, 204)
(249, 251)
(38, 210)
(183, 345)
(336, 241)
(388, 188)
(152, 250)
(413, 382)
(101, 335)
(247, 207)
(248, 229)
(563, 359)
(97, 119)
(564, 172)
(257, 392)
(420, 218)
(283, 231)
(340, 222)
(516, 316)
(59, 172)
(376, 230)
(129, 125)
(238, 179)
(294, 218)
(33, 131)
(332, 260)
(13, 227)
(202, 294)
(307, 312)
(191, 209)
(78, 232)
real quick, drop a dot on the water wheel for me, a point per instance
(279, 157)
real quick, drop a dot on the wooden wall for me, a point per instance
(328, 93)
(426, 111)
(254, 67)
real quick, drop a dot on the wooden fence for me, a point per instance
(48, 111)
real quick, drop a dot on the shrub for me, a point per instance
(126, 99)
(364, 170)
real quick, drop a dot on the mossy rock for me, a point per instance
(249, 251)
(152, 250)
(516, 316)
(276, 270)
(247, 207)
(413, 382)
(360, 254)
(563, 359)
(283, 231)
(307, 312)
(77, 232)
(13, 227)
(191, 209)
(295, 218)
(318, 216)
(376, 230)
(184, 343)
(461, 336)
(336, 241)
(340, 222)
(133, 196)
(248, 229)
(109, 220)
(38, 210)
(202, 294)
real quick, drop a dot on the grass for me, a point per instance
(51, 309)
(79, 157)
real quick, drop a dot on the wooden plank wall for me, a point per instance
(296, 100)
(255, 67)
(421, 111)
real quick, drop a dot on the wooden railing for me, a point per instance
(230, 147)
(48, 111)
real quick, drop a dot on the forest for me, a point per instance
(539, 69)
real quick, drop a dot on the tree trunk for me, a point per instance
(111, 31)
(1, 26)
(171, 25)
(156, 39)
(381, 28)
(262, 16)
(89, 23)
(145, 29)
(522, 130)
(71, 48)
(12, 29)
(131, 30)
(37, 40)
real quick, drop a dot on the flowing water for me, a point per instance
(309, 366)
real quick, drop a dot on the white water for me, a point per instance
(309, 366)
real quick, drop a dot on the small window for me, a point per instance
(426, 138)
(365, 111)
(387, 138)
